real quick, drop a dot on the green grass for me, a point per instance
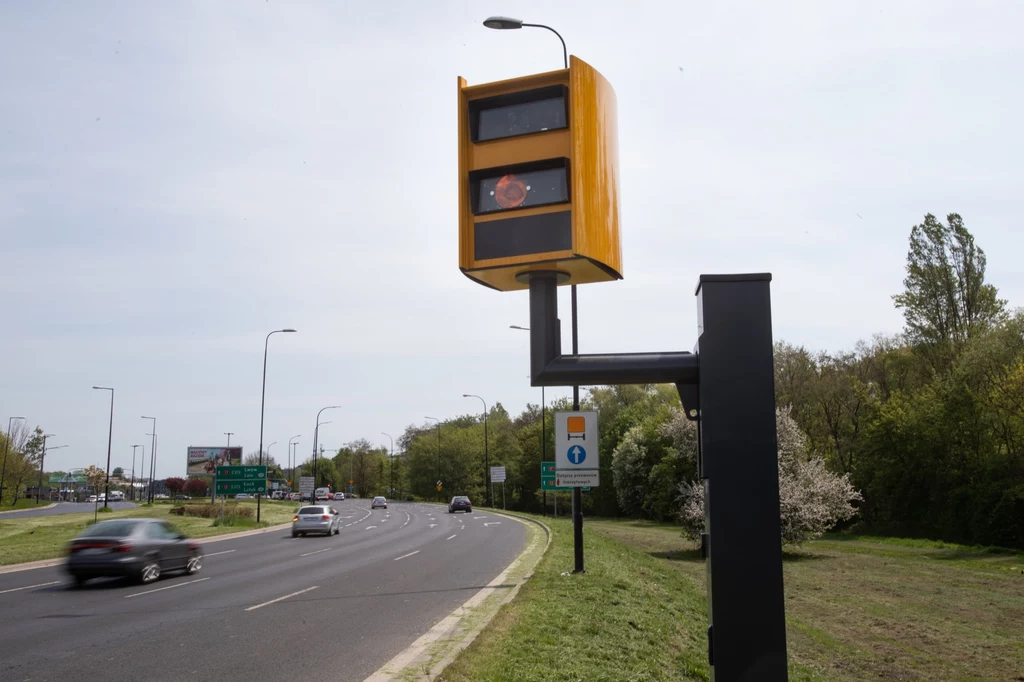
(44, 537)
(866, 607)
(23, 503)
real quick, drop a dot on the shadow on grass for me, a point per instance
(679, 555)
(792, 556)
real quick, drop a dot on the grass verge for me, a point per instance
(23, 503)
(863, 607)
(44, 537)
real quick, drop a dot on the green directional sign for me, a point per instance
(547, 477)
(233, 480)
(243, 473)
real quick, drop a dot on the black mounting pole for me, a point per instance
(728, 389)
(577, 493)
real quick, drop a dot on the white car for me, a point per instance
(379, 502)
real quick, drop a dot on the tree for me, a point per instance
(253, 459)
(811, 498)
(196, 487)
(174, 484)
(94, 477)
(945, 299)
(118, 472)
(23, 460)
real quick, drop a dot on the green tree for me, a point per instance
(945, 299)
(118, 472)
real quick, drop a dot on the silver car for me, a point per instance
(316, 519)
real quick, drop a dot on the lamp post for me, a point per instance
(263, 398)
(110, 438)
(487, 459)
(7, 446)
(152, 459)
(316, 435)
(391, 462)
(229, 434)
(506, 23)
(291, 447)
(543, 428)
(42, 463)
(439, 498)
(133, 466)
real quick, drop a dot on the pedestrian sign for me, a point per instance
(577, 457)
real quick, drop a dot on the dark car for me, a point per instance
(460, 503)
(139, 549)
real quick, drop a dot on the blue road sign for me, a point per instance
(577, 454)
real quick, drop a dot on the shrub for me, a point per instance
(213, 511)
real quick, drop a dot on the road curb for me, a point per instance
(46, 563)
(416, 661)
(15, 511)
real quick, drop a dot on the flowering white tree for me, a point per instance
(812, 499)
(630, 471)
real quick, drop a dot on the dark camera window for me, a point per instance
(519, 113)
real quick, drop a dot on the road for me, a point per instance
(62, 508)
(265, 606)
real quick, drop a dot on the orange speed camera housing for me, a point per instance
(539, 178)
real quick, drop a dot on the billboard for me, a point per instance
(206, 460)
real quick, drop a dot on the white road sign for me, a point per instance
(577, 460)
(497, 474)
(306, 484)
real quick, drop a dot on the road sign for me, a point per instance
(438, 486)
(351, 482)
(497, 474)
(232, 480)
(306, 484)
(547, 477)
(577, 458)
(245, 473)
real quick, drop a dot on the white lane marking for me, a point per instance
(161, 589)
(29, 587)
(453, 536)
(326, 549)
(493, 523)
(226, 551)
(431, 525)
(407, 518)
(407, 555)
(287, 596)
(383, 520)
(345, 517)
(370, 527)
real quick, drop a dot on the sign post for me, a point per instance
(498, 476)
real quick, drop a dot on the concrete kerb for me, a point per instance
(14, 511)
(45, 563)
(429, 655)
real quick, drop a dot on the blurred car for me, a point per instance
(140, 549)
(379, 501)
(182, 497)
(92, 498)
(294, 496)
(339, 496)
(460, 503)
(243, 496)
(316, 519)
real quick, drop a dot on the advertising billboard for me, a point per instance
(206, 460)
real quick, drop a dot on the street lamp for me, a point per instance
(152, 459)
(438, 453)
(316, 435)
(133, 466)
(7, 446)
(291, 447)
(506, 23)
(263, 398)
(110, 438)
(229, 434)
(42, 463)
(391, 462)
(487, 459)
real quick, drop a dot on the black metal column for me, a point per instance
(739, 465)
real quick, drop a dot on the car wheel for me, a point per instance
(195, 564)
(150, 571)
(469, 511)
(294, 534)
(80, 580)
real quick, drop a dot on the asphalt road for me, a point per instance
(265, 606)
(62, 508)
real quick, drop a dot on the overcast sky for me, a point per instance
(179, 178)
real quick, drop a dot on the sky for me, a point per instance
(178, 179)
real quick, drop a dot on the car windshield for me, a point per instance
(461, 499)
(110, 529)
(312, 510)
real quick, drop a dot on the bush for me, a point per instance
(105, 510)
(243, 520)
(213, 511)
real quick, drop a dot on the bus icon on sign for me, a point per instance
(576, 428)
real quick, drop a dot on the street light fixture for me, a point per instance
(316, 436)
(110, 439)
(152, 459)
(7, 446)
(439, 498)
(42, 463)
(229, 434)
(487, 459)
(507, 23)
(263, 398)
